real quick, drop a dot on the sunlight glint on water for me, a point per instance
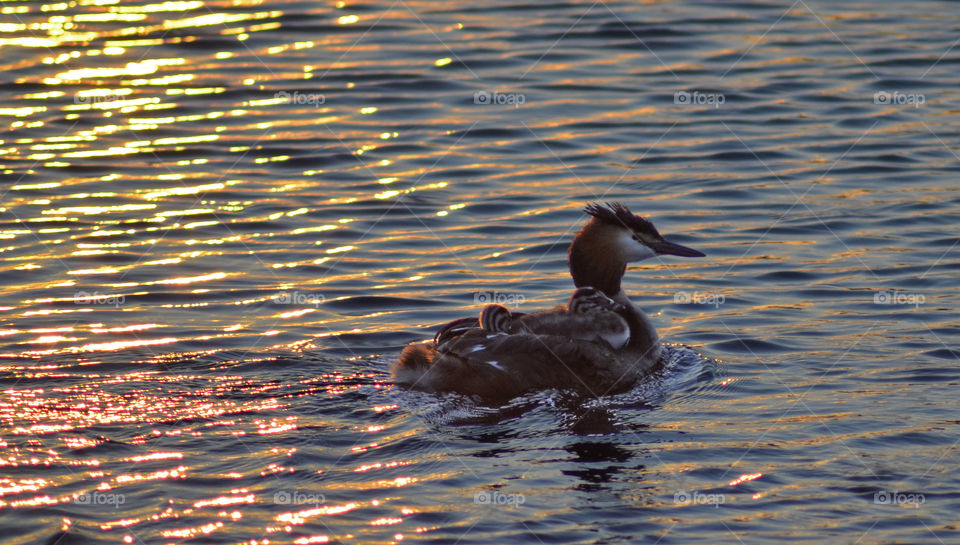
(221, 221)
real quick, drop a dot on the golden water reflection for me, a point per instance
(196, 187)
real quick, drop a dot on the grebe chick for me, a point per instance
(496, 319)
(589, 316)
(513, 353)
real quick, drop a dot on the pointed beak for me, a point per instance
(665, 247)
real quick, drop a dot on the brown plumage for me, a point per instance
(589, 316)
(599, 343)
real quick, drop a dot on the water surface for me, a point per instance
(221, 221)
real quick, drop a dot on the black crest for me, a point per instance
(619, 215)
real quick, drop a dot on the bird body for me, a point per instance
(599, 343)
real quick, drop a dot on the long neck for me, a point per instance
(596, 260)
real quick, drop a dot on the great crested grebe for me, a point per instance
(505, 355)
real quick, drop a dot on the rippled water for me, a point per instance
(221, 221)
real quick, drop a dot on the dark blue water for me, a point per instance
(221, 221)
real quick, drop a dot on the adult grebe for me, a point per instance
(558, 348)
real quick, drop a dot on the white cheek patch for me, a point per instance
(633, 250)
